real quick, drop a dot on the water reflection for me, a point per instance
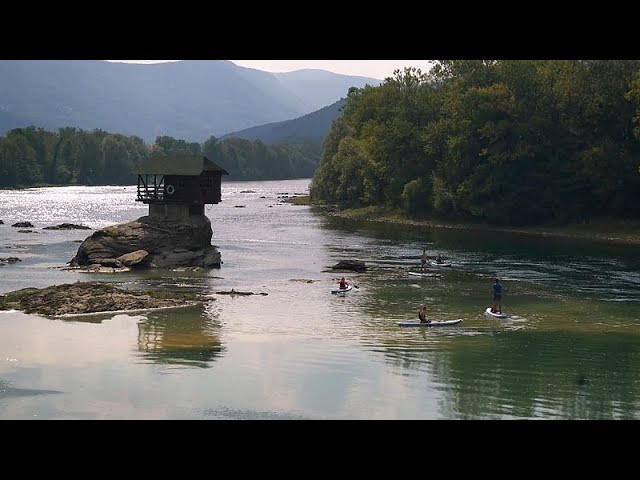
(605, 272)
(188, 337)
(527, 374)
(300, 352)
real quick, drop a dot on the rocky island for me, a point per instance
(91, 297)
(176, 233)
(150, 242)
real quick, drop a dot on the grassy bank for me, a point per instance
(604, 230)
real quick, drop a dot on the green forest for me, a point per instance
(33, 156)
(502, 142)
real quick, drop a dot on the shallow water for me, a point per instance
(570, 349)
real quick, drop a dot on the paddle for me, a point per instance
(511, 309)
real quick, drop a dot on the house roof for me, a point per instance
(178, 165)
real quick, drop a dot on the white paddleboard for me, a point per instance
(342, 290)
(426, 274)
(436, 264)
(496, 315)
(433, 323)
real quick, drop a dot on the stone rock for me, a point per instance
(91, 297)
(168, 243)
(133, 258)
(23, 225)
(110, 262)
(352, 265)
(67, 226)
(7, 260)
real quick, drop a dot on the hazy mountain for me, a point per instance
(190, 100)
(312, 127)
(320, 87)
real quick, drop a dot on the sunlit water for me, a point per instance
(570, 349)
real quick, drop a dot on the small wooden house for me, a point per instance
(176, 187)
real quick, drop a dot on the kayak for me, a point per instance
(342, 290)
(426, 274)
(433, 323)
(495, 315)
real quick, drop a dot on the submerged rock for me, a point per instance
(237, 292)
(90, 297)
(67, 226)
(352, 265)
(184, 243)
(5, 260)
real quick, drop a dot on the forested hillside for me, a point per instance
(504, 142)
(34, 156)
(310, 128)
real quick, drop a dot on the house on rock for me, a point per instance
(176, 233)
(179, 187)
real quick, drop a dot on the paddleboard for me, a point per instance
(342, 290)
(496, 315)
(436, 264)
(434, 323)
(426, 274)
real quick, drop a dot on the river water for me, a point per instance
(570, 348)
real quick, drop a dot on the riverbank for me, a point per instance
(625, 232)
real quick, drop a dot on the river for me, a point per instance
(570, 348)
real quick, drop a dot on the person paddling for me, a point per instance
(424, 258)
(497, 297)
(343, 284)
(422, 315)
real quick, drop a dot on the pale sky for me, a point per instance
(379, 69)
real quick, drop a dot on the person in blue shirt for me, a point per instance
(497, 297)
(424, 258)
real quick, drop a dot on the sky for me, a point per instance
(379, 69)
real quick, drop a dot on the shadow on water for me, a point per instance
(558, 267)
(7, 391)
(188, 338)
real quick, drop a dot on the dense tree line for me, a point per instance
(505, 142)
(33, 156)
(254, 160)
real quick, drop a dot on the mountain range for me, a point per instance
(189, 99)
(310, 128)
